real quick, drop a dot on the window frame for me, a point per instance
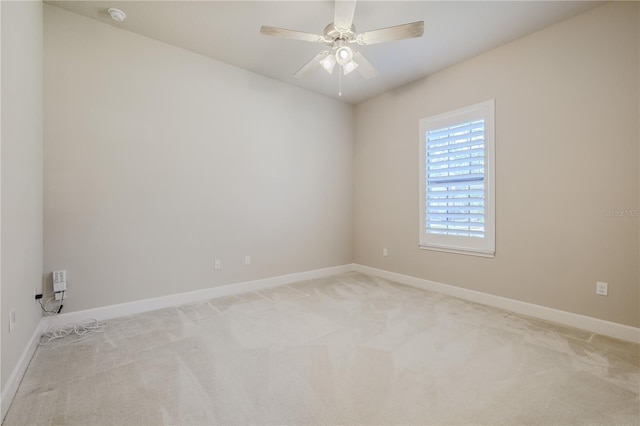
(476, 246)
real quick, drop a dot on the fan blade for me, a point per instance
(343, 15)
(297, 35)
(364, 67)
(414, 29)
(312, 64)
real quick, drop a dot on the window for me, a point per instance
(457, 204)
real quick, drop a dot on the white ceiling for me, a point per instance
(229, 32)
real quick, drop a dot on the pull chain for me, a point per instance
(339, 82)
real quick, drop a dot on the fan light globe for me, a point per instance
(349, 66)
(344, 55)
(328, 62)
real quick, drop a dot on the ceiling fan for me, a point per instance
(339, 35)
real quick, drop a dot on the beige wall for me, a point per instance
(21, 176)
(567, 138)
(153, 168)
(159, 160)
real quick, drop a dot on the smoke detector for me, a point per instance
(116, 14)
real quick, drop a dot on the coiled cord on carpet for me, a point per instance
(82, 330)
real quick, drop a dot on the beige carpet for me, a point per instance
(350, 349)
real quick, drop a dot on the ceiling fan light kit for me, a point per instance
(339, 34)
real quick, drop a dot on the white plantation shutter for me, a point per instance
(456, 181)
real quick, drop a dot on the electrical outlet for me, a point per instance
(602, 289)
(12, 320)
(247, 260)
(385, 252)
(218, 264)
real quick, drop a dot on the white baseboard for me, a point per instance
(130, 308)
(594, 325)
(11, 387)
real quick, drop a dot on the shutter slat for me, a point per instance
(456, 144)
(473, 177)
(444, 210)
(455, 169)
(470, 193)
(468, 203)
(452, 217)
(455, 147)
(478, 227)
(468, 153)
(454, 196)
(464, 233)
(477, 204)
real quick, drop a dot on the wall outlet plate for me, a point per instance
(602, 289)
(12, 320)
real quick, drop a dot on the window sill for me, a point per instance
(455, 250)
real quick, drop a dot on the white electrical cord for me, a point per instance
(84, 329)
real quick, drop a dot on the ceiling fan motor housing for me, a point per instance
(333, 33)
